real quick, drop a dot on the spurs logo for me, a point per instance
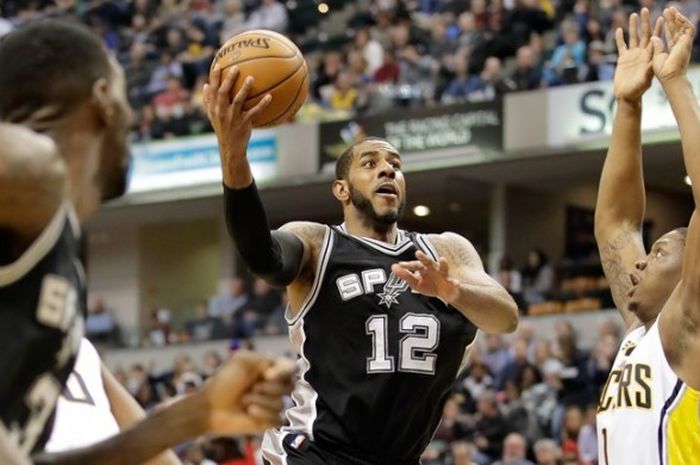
(393, 288)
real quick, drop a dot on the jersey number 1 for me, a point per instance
(415, 349)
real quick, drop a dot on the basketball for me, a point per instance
(278, 69)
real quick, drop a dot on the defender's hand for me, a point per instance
(680, 32)
(634, 72)
(233, 125)
(428, 277)
(246, 395)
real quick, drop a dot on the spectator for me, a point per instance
(234, 21)
(547, 452)
(167, 67)
(211, 364)
(491, 428)
(100, 325)
(566, 59)
(488, 84)
(138, 74)
(597, 67)
(478, 381)
(526, 75)
(573, 421)
(497, 355)
(517, 415)
(326, 74)
(159, 328)
(269, 15)
(513, 369)
(469, 34)
(344, 94)
(514, 449)
(461, 453)
(277, 323)
(371, 50)
(588, 438)
(389, 71)
(511, 279)
(452, 427)
(229, 301)
(538, 277)
(171, 102)
(458, 88)
(257, 310)
(203, 327)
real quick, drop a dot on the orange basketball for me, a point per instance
(278, 69)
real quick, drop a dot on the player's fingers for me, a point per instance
(272, 403)
(270, 416)
(273, 388)
(242, 94)
(633, 26)
(258, 108)
(215, 78)
(415, 265)
(443, 266)
(646, 28)
(405, 274)
(282, 369)
(426, 260)
(658, 26)
(620, 40)
(223, 95)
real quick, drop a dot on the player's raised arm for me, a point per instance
(619, 212)
(459, 279)
(244, 397)
(32, 187)
(277, 257)
(679, 323)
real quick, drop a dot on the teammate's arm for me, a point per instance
(32, 187)
(459, 279)
(128, 412)
(619, 211)
(277, 257)
(679, 323)
(245, 397)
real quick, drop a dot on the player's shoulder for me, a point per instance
(306, 230)
(450, 243)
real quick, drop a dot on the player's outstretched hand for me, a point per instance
(673, 62)
(233, 124)
(246, 395)
(428, 277)
(634, 73)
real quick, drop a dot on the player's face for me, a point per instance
(376, 183)
(656, 276)
(114, 158)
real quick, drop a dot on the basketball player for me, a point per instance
(648, 410)
(58, 79)
(380, 317)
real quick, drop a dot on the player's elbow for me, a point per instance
(508, 318)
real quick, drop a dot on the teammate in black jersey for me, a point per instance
(380, 317)
(63, 150)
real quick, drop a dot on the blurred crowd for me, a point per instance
(530, 399)
(364, 56)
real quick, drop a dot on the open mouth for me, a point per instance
(635, 280)
(387, 190)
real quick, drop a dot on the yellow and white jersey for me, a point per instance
(83, 413)
(646, 414)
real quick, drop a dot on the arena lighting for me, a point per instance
(323, 8)
(421, 210)
(292, 5)
(688, 181)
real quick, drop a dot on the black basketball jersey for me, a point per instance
(378, 360)
(42, 306)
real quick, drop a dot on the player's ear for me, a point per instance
(341, 190)
(103, 101)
